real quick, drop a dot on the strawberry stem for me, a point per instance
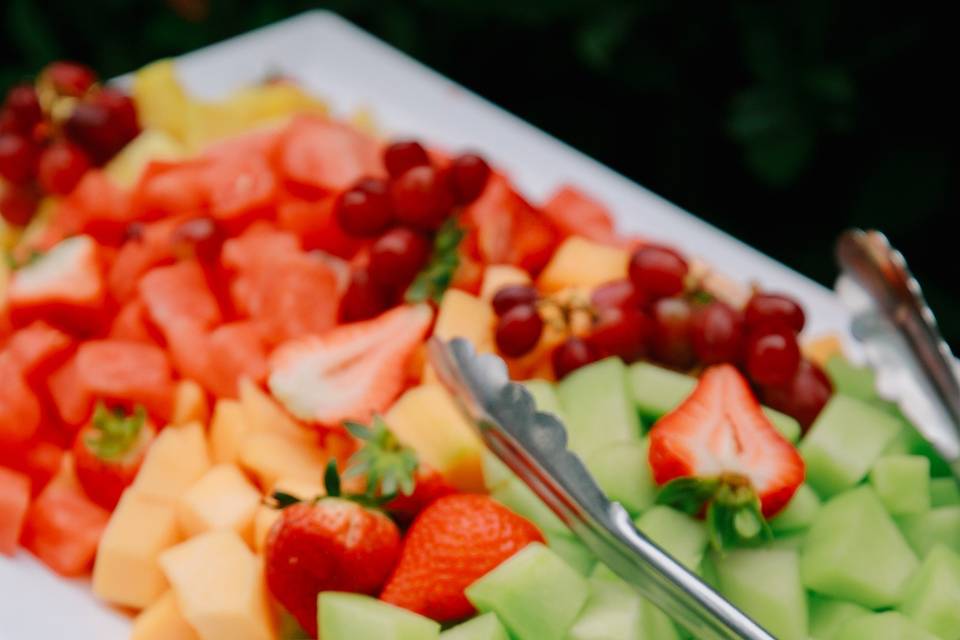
(390, 468)
(331, 479)
(114, 432)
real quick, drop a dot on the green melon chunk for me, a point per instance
(910, 442)
(944, 492)
(573, 551)
(349, 616)
(485, 627)
(545, 397)
(622, 471)
(613, 611)
(678, 534)
(799, 513)
(903, 483)
(889, 625)
(828, 615)
(495, 473)
(932, 595)
(792, 541)
(535, 594)
(851, 380)
(657, 391)
(656, 624)
(843, 443)
(598, 407)
(765, 584)
(854, 551)
(519, 498)
(937, 526)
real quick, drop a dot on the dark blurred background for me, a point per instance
(780, 122)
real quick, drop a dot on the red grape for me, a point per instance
(17, 203)
(23, 108)
(201, 237)
(772, 355)
(468, 176)
(103, 123)
(716, 331)
(421, 198)
(362, 300)
(620, 332)
(62, 164)
(570, 355)
(803, 397)
(404, 155)
(658, 271)
(771, 308)
(670, 340)
(518, 330)
(18, 158)
(397, 256)
(617, 294)
(365, 209)
(69, 78)
(510, 296)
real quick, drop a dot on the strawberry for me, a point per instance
(108, 452)
(334, 543)
(718, 451)
(451, 544)
(350, 372)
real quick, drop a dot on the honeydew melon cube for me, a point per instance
(903, 483)
(545, 398)
(519, 498)
(613, 611)
(350, 616)
(127, 570)
(910, 442)
(655, 623)
(162, 620)
(799, 512)
(534, 593)
(573, 551)
(495, 473)
(176, 459)
(498, 276)
(598, 407)
(937, 526)
(844, 442)
(485, 627)
(854, 551)
(792, 541)
(623, 473)
(889, 625)
(228, 427)
(579, 262)
(683, 537)
(765, 584)
(827, 615)
(222, 499)
(220, 587)
(932, 595)
(944, 492)
(851, 380)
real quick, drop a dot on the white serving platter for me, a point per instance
(352, 69)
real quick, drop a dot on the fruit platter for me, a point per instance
(218, 420)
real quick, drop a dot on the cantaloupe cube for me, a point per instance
(498, 276)
(190, 404)
(263, 414)
(581, 263)
(177, 459)
(162, 620)
(222, 499)
(127, 571)
(426, 419)
(267, 515)
(228, 427)
(220, 587)
(271, 456)
(822, 348)
(462, 315)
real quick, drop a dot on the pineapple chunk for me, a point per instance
(152, 144)
(227, 430)
(190, 404)
(426, 419)
(582, 263)
(126, 571)
(162, 620)
(161, 100)
(177, 459)
(222, 499)
(220, 588)
(271, 456)
(267, 516)
(498, 276)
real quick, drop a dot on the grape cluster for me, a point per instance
(53, 131)
(402, 213)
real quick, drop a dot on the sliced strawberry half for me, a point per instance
(351, 372)
(718, 451)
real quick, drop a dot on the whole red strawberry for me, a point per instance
(329, 544)
(430, 486)
(451, 544)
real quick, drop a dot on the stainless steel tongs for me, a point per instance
(534, 445)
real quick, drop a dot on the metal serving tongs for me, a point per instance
(534, 445)
(900, 339)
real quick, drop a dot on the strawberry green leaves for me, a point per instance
(114, 432)
(389, 467)
(433, 280)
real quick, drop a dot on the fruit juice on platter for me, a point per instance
(216, 403)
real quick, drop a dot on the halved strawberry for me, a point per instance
(351, 372)
(718, 450)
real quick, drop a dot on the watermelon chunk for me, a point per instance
(14, 501)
